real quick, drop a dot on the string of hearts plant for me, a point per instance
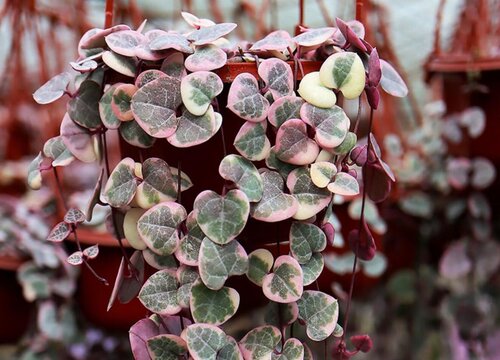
(292, 154)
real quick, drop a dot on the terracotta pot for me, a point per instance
(15, 311)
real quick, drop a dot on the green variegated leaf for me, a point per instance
(231, 351)
(213, 306)
(281, 315)
(311, 198)
(189, 245)
(154, 106)
(260, 262)
(273, 162)
(147, 76)
(277, 76)
(132, 133)
(159, 262)
(221, 218)
(124, 42)
(312, 90)
(59, 232)
(166, 347)
(306, 239)
(121, 185)
(159, 293)
(284, 284)
(199, 89)
(206, 58)
(283, 109)
(158, 184)
(194, 130)
(244, 174)
(34, 174)
(173, 65)
(252, 142)
(184, 295)
(320, 312)
(158, 227)
(344, 184)
(78, 140)
(218, 262)
(293, 350)
(204, 341)
(312, 269)
(55, 149)
(185, 181)
(346, 145)
(293, 145)
(83, 109)
(259, 343)
(245, 99)
(338, 331)
(121, 64)
(331, 124)
(130, 228)
(322, 173)
(344, 71)
(187, 274)
(106, 113)
(120, 101)
(275, 205)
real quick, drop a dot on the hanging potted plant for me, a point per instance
(220, 157)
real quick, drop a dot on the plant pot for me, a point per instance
(15, 311)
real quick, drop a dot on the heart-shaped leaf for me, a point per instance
(159, 262)
(313, 268)
(292, 350)
(59, 232)
(83, 109)
(194, 130)
(159, 293)
(331, 125)
(344, 184)
(121, 185)
(206, 58)
(218, 262)
(166, 347)
(208, 34)
(251, 141)
(281, 315)
(158, 227)
(244, 174)
(245, 99)
(322, 173)
(139, 333)
(91, 252)
(173, 66)
(275, 205)
(55, 149)
(231, 351)
(314, 37)
(170, 40)
(346, 145)
(95, 38)
(121, 64)
(311, 198)
(204, 341)
(362, 243)
(189, 245)
(344, 71)
(483, 173)
(277, 76)
(306, 239)
(260, 262)
(133, 134)
(391, 81)
(222, 218)
(158, 184)
(124, 42)
(199, 89)
(259, 343)
(293, 145)
(108, 117)
(75, 259)
(282, 167)
(120, 102)
(52, 89)
(130, 228)
(312, 90)
(278, 40)
(74, 216)
(379, 184)
(283, 109)
(147, 76)
(213, 306)
(154, 106)
(78, 140)
(320, 312)
(474, 119)
(284, 284)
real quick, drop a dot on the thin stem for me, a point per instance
(59, 189)
(97, 276)
(361, 220)
(358, 116)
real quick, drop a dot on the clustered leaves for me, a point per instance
(294, 154)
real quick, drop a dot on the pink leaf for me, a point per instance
(362, 243)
